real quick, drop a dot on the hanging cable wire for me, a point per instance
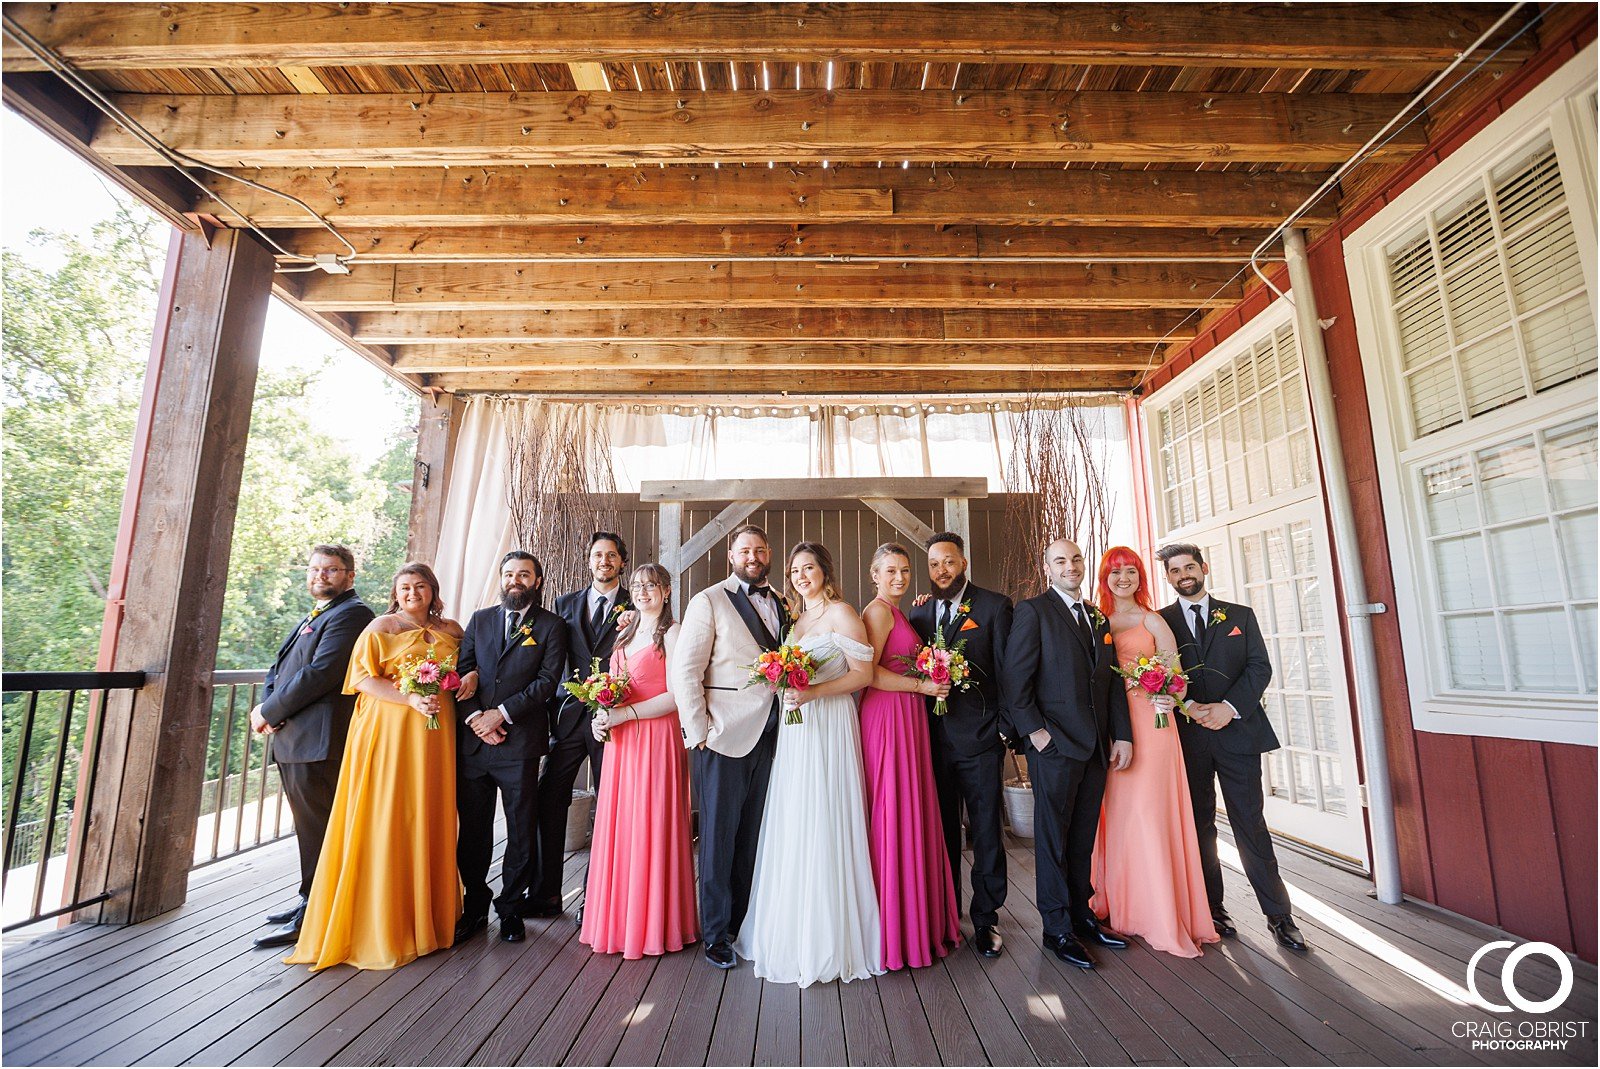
(1388, 133)
(181, 162)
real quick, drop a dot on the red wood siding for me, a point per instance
(1496, 829)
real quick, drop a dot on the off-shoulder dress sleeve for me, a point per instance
(852, 649)
(366, 661)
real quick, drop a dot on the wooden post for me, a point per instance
(141, 836)
(669, 546)
(438, 427)
(958, 517)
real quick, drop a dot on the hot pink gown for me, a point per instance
(916, 896)
(640, 898)
(1146, 868)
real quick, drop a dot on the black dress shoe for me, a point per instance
(577, 916)
(1286, 933)
(541, 910)
(1092, 931)
(287, 935)
(284, 916)
(512, 930)
(721, 955)
(987, 942)
(1067, 948)
(467, 927)
(1223, 923)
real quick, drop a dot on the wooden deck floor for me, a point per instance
(188, 988)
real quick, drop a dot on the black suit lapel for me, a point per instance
(1073, 627)
(752, 619)
(606, 640)
(1211, 629)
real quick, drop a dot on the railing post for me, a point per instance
(140, 843)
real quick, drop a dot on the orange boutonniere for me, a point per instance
(969, 625)
(525, 632)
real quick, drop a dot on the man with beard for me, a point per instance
(308, 715)
(1224, 735)
(512, 659)
(968, 747)
(730, 730)
(590, 616)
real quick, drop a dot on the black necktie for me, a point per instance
(1083, 621)
(944, 615)
(598, 620)
(511, 627)
(1199, 623)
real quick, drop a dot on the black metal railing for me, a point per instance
(241, 784)
(51, 760)
(52, 728)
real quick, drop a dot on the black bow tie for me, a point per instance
(761, 591)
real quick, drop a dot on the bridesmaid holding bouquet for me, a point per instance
(640, 898)
(916, 894)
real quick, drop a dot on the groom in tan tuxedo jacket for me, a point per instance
(731, 732)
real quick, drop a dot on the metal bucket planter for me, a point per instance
(580, 815)
(1019, 808)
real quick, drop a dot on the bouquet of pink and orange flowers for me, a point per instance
(1158, 673)
(600, 690)
(789, 667)
(944, 664)
(428, 675)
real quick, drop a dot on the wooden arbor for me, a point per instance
(882, 496)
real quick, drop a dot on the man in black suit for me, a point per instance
(1220, 645)
(512, 659)
(590, 616)
(1069, 704)
(968, 749)
(307, 714)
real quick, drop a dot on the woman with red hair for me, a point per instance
(1146, 869)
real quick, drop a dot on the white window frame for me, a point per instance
(1558, 108)
(1279, 314)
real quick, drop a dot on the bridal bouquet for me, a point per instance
(428, 675)
(944, 664)
(1158, 673)
(789, 667)
(600, 690)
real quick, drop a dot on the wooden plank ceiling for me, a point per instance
(728, 199)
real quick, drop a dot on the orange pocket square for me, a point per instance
(1235, 631)
(1107, 639)
(969, 625)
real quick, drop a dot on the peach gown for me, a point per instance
(1146, 868)
(386, 890)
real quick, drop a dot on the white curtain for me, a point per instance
(749, 442)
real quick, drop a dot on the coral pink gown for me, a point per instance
(1146, 870)
(916, 896)
(640, 898)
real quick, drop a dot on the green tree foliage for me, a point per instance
(76, 341)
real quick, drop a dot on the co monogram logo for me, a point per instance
(1508, 977)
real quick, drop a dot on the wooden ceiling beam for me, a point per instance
(175, 35)
(900, 326)
(426, 129)
(661, 196)
(591, 358)
(721, 382)
(507, 287)
(529, 244)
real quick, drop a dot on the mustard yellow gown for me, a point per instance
(386, 890)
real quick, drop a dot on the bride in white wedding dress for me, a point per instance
(813, 909)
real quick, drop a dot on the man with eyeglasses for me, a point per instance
(307, 714)
(591, 617)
